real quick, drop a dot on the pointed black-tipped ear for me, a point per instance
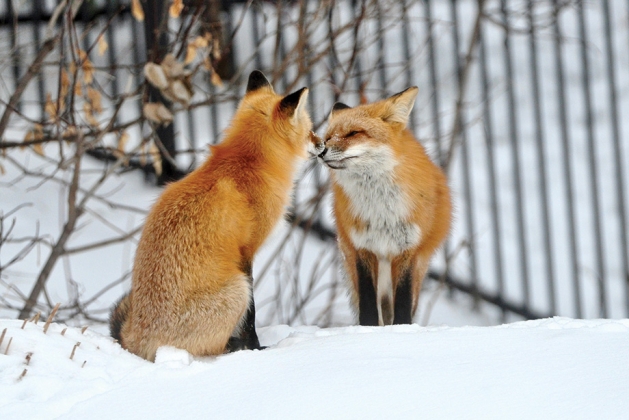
(400, 106)
(290, 104)
(257, 80)
(339, 106)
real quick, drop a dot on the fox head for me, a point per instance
(361, 139)
(262, 111)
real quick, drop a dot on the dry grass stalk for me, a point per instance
(63, 332)
(22, 375)
(84, 329)
(84, 362)
(51, 316)
(74, 349)
(35, 318)
(24, 323)
(6, 351)
(29, 355)
(2, 336)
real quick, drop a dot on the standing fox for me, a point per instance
(192, 281)
(391, 204)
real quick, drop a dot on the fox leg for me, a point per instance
(403, 310)
(247, 338)
(367, 300)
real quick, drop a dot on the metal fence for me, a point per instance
(521, 101)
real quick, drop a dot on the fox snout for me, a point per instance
(316, 145)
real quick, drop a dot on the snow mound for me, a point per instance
(553, 368)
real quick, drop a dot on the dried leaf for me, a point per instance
(216, 79)
(157, 112)
(172, 67)
(142, 156)
(94, 97)
(102, 45)
(34, 134)
(137, 11)
(50, 107)
(191, 53)
(175, 9)
(180, 92)
(78, 89)
(88, 112)
(122, 141)
(216, 50)
(39, 149)
(154, 73)
(164, 114)
(88, 71)
(72, 68)
(156, 158)
(65, 83)
(202, 41)
(69, 133)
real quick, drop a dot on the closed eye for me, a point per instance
(351, 133)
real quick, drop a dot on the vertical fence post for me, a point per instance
(541, 162)
(620, 184)
(515, 154)
(589, 119)
(156, 45)
(568, 170)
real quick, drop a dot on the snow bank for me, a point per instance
(554, 368)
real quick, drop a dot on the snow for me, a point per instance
(557, 368)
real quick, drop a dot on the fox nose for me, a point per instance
(323, 153)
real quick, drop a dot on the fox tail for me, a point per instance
(118, 317)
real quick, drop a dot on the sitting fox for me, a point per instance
(391, 205)
(192, 281)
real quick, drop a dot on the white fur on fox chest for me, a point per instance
(381, 204)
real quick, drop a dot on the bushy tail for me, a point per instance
(118, 317)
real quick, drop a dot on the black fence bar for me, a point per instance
(357, 16)
(515, 155)
(380, 63)
(113, 7)
(11, 20)
(496, 226)
(461, 137)
(587, 93)
(547, 249)
(41, 87)
(408, 71)
(615, 127)
(567, 165)
(433, 82)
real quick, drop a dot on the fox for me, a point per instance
(192, 275)
(391, 205)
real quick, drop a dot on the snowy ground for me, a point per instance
(548, 369)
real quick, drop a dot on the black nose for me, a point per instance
(323, 153)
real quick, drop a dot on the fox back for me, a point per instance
(391, 205)
(191, 285)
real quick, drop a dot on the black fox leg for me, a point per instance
(248, 338)
(367, 303)
(403, 310)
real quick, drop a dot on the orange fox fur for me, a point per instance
(192, 285)
(391, 205)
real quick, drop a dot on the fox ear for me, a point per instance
(400, 106)
(294, 104)
(257, 80)
(339, 106)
